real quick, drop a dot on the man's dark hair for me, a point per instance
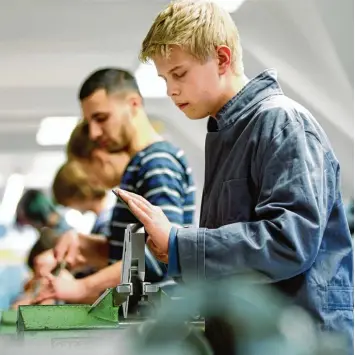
(112, 80)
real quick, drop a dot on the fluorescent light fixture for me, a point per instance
(55, 130)
(13, 191)
(230, 5)
(150, 84)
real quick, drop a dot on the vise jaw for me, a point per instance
(133, 285)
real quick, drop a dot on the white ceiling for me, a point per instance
(47, 48)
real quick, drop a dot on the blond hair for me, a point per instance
(198, 27)
(73, 183)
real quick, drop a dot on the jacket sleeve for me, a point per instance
(296, 184)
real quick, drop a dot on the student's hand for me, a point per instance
(155, 222)
(63, 287)
(24, 300)
(68, 249)
(45, 262)
(28, 300)
(29, 296)
(163, 257)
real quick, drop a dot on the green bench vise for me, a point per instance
(72, 320)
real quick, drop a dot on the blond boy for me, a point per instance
(272, 201)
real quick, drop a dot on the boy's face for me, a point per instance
(193, 86)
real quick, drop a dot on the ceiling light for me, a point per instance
(55, 130)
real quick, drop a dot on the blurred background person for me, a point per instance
(105, 168)
(37, 210)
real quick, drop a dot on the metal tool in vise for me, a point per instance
(134, 295)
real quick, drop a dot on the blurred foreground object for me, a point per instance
(238, 316)
(244, 319)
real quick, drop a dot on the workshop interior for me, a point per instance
(56, 189)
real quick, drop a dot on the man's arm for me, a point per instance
(86, 290)
(79, 250)
(297, 185)
(94, 249)
(108, 277)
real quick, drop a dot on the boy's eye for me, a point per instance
(179, 76)
(100, 119)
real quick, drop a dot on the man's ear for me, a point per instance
(224, 57)
(135, 102)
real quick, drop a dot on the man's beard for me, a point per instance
(123, 144)
(116, 148)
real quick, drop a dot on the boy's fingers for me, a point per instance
(139, 213)
(130, 195)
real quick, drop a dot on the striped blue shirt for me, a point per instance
(160, 173)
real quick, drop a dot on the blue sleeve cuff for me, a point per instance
(173, 263)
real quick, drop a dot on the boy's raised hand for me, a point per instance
(156, 224)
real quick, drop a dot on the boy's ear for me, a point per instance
(224, 57)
